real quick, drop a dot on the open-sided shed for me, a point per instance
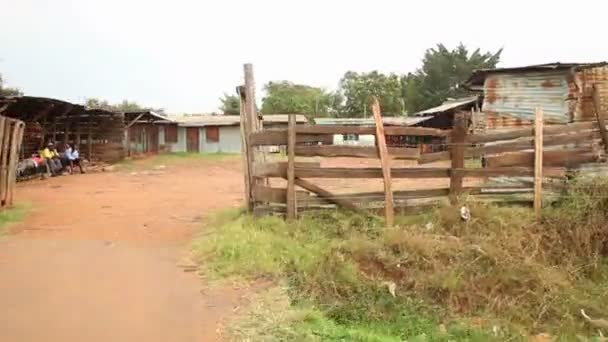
(99, 133)
(149, 132)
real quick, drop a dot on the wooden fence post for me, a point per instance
(599, 113)
(252, 124)
(389, 209)
(291, 171)
(538, 161)
(6, 139)
(245, 148)
(457, 152)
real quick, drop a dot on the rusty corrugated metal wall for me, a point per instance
(582, 89)
(518, 95)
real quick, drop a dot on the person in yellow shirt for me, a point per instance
(51, 159)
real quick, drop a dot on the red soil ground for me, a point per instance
(97, 257)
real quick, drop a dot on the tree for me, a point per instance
(231, 104)
(5, 91)
(287, 97)
(124, 106)
(442, 72)
(359, 88)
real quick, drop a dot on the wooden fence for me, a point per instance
(542, 153)
(11, 137)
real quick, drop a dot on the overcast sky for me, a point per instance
(182, 55)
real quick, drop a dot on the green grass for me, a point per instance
(13, 215)
(500, 276)
(175, 158)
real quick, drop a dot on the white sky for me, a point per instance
(182, 55)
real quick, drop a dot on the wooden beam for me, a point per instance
(565, 158)
(538, 161)
(389, 210)
(355, 151)
(279, 137)
(266, 194)
(529, 132)
(528, 143)
(515, 171)
(326, 195)
(310, 170)
(432, 157)
(291, 168)
(277, 169)
(134, 121)
(389, 130)
(457, 149)
(599, 113)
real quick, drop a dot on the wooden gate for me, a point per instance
(192, 139)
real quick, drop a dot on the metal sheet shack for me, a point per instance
(563, 90)
(99, 133)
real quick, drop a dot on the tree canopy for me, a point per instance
(441, 72)
(6, 91)
(359, 88)
(288, 97)
(231, 104)
(124, 106)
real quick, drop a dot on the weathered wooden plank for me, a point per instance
(538, 161)
(262, 193)
(279, 137)
(291, 168)
(355, 151)
(432, 157)
(529, 132)
(277, 169)
(600, 115)
(526, 144)
(565, 158)
(459, 135)
(326, 194)
(389, 210)
(5, 160)
(12, 164)
(345, 172)
(513, 171)
(313, 170)
(388, 130)
(246, 154)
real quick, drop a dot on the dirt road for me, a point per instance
(96, 259)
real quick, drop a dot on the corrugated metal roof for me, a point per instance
(518, 95)
(283, 118)
(448, 106)
(345, 121)
(201, 120)
(405, 121)
(389, 121)
(478, 76)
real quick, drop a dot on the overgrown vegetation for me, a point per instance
(12, 215)
(500, 276)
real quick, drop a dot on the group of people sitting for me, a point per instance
(50, 161)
